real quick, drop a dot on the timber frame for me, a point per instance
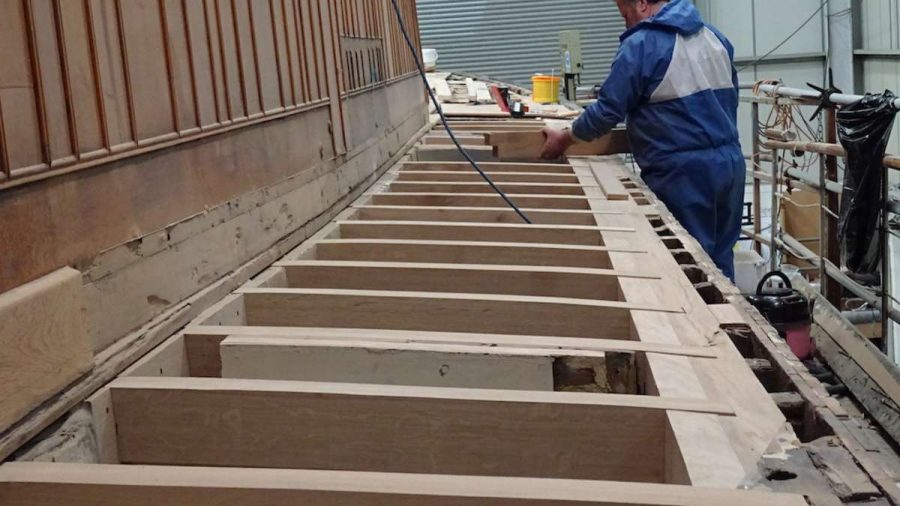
(424, 347)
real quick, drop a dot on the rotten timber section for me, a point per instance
(426, 330)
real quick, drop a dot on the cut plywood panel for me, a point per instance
(36, 484)
(435, 365)
(43, 343)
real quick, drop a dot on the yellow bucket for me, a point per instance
(545, 89)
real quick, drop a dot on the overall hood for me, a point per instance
(678, 16)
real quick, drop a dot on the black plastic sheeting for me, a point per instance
(864, 128)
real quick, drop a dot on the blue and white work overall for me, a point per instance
(674, 83)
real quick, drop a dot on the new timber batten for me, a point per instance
(426, 348)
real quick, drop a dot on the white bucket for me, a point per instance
(430, 58)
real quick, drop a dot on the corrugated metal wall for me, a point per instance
(510, 40)
(880, 54)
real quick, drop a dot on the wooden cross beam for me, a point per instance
(42, 484)
(296, 425)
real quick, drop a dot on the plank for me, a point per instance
(494, 167)
(242, 423)
(442, 198)
(388, 250)
(609, 181)
(43, 342)
(42, 484)
(475, 232)
(569, 346)
(454, 278)
(430, 365)
(433, 140)
(472, 214)
(441, 88)
(202, 343)
(432, 311)
(495, 127)
(528, 145)
(510, 188)
(473, 177)
(759, 422)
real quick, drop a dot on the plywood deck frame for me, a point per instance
(423, 333)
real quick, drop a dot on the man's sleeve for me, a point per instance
(619, 95)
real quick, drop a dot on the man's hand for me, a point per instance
(557, 142)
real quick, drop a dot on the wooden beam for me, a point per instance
(45, 484)
(473, 215)
(432, 311)
(494, 167)
(482, 187)
(457, 252)
(494, 127)
(476, 232)
(479, 200)
(528, 145)
(468, 140)
(455, 176)
(609, 181)
(295, 425)
(414, 364)
(202, 342)
(550, 343)
(43, 342)
(454, 278)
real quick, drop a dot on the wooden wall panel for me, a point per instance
(88, 79)
(111, 69)
(18, 108)
(179, 63)
(52, 93)
(267, 70)
(81, 64)
(146, 64)
(200, 57)
(246, 57)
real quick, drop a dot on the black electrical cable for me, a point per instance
(440, 111)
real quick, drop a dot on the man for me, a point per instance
(673, 82)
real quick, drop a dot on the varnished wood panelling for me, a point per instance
(87, 79)
(17, 90)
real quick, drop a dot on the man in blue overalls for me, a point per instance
(674, 83)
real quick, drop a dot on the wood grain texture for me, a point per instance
(482, 187)
(388, 250)
(475, 232)
(43, 343)
(444, 199)
(36, 484)
(497, 177)
(408, 429)
(429, 365)
(501, 279)
(471, 214)
(430, 311)
(527, 146)
(495, 167)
